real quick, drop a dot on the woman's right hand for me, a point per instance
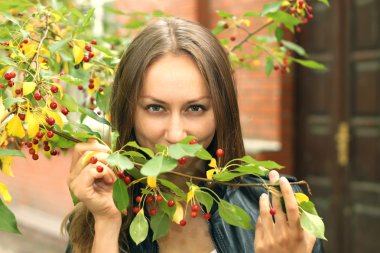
(94, 189)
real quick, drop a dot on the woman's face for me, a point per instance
(174, 102)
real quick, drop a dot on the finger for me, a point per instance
(290, 203)
(265, 216)
(84, 161)
(81, 148)
(276, 201)
(259, 235)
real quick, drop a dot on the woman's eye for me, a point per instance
(196, 108)
(154, 108)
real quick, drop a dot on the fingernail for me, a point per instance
(272, 174)
(284, 179)
(264, 195)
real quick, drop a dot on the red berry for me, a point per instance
(127, 179)
(32, 151)
(37, 95)
(50, 121)
(7, 76)
(138, 199)
(26, 41)
(153, 211)
(91, 80)
(272, 211)
(192, 142)
(91, 55)
(149, 199)
(298, 29)
(29, 144)
(182, 223)
(232, 38)
(91, 86)
(182, 160)
(54, 89)
(225, 26)
(80, 87)
(40, 135)
(194, 214)
(293, 11)
(93, 42)
(64, 111)
(170, 203)
(21, 116)
(310, 16)
(46, 148)
(100, 89)
(195, 208)
(53, 105)
(219, 152)
(136, 209)
(35, 141)
(35, 157)
(159, 198)
(99, 169)
(309, 8)
(49, 134)
(54, 152)
(2, 86)
(86, 59)
(12, 74)
(88, 48)
(10, 83)
(120, 174)
(207, 216)
(93, 159)
(18, 91)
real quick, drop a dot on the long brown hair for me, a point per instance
(174, 36)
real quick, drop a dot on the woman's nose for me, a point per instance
(176, 130)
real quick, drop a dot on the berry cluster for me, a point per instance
(88, 48)
(8, 77)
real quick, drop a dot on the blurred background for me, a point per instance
(323, 126)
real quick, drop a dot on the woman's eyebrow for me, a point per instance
(187, 102)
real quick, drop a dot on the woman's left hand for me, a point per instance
(285, 234)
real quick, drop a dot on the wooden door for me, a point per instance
(338, 122)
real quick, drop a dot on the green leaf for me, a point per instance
(180, 193)
(311, 64)
(11, 152)
(93, 115)
(187, 139)
(139, 228)
(103, 49)
(179, 150)
(18, 5)
(266, 164)
(158, 165)
(8, 220)
(217, 30)
(269, 66)
(313, 224)
(308, 206)
(134, 144)
(270, 8)
(234, 215)
(9, 101)
(325, 2)
(164, 205)
(252, 170)
(55, 46)
(205, 199)
(279, 33)
(224, 14)
(120, 161)
(251, 14)
(160, 225)
(204, 154)
(88, 17)
(70, 79)
(160, 148)
(294, 47)
(282, 17)
(134, 24)
(74, 198)
(103, 99)
(226, 176)
(114, 136)
(120, 195)
(64, 143)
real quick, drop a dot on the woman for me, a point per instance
(175, 80)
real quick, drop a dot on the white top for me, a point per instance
(214, 251)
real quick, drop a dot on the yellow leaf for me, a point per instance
(6, 165)
(300, 197)
(3, 70)
(4, 192)
(285, 3)
(28, 87)
(78, 54)
(87, 65)
(33, 124)
(245, 21)
(2, 109)
(15, 128)
(210, 173)
(80, 43)
(178, 214)
(212, 163)
(29, 49)
(152, 182)
(3, 137)
(191, 193)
